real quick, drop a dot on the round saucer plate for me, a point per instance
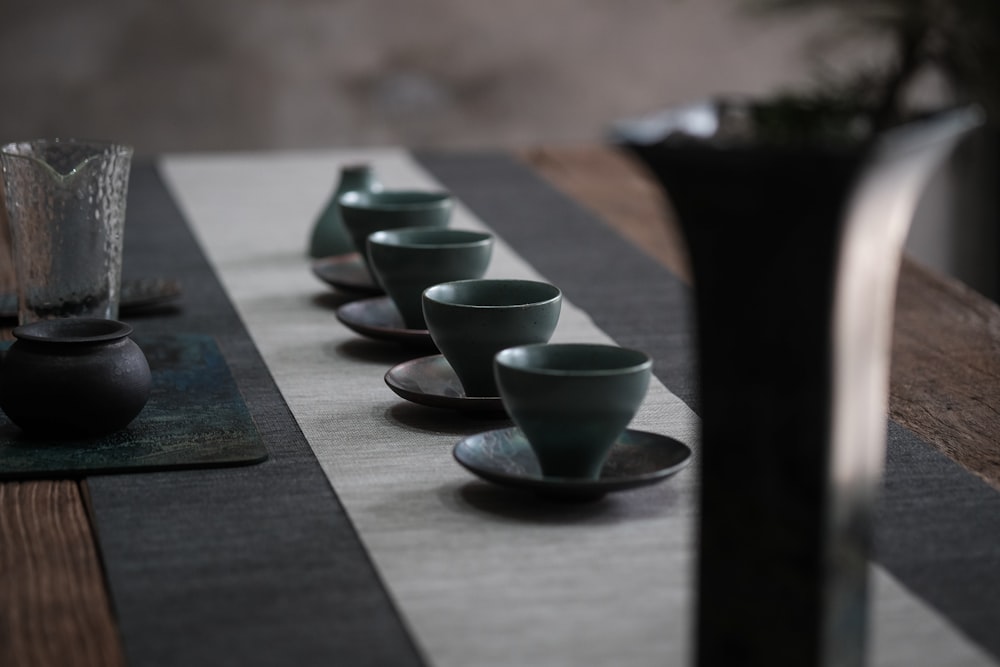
(346, 272)
(639, 458)
(377, 317)
(136, 295)
(431, 381)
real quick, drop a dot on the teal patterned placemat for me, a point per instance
(195, 418)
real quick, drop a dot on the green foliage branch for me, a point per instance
(958, 39)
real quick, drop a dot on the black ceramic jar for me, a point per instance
(74, 377)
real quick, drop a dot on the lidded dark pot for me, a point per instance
(74, 377)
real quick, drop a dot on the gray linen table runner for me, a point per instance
(252, 565)
(480, 576)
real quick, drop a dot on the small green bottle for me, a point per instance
(329, 237)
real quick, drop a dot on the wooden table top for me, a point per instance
(54, 605)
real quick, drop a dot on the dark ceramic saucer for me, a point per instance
(346, 272)
(377, 317)
(136, 296)
(431, 381)
(639, 458)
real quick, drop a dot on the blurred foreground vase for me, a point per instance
(795, 242)
(329, 236)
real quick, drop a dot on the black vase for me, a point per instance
(76, 377)
(794, 243)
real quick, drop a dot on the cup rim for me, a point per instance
(400, 237)
(72, 330)
(394, 200)
(19, 150)
(12, 148)
(515, 358)
(431, 293)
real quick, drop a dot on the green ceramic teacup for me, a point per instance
(366, 212)
(408, 260)
(572, 400)
(471, 320)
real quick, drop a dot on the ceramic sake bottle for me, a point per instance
(329, 237)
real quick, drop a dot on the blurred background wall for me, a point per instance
(199, 75)
(192, 75)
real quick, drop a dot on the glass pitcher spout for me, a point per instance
(66, 158)
(65, 201)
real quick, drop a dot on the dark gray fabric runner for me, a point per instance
(254, 565)
(938, 526)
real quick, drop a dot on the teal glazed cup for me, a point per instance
(366, 212)
(572, 400)
(407, 261)
(471, 320)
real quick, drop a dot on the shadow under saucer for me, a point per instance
(638, 458)
(378, 318)
(432, 382)
(346, 272)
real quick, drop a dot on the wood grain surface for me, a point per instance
(945, 380)
(54, 607)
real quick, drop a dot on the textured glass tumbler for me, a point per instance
(66, 209)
